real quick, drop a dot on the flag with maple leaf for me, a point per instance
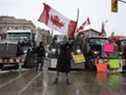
(86, 23)
(55, 20)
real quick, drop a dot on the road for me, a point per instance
(29, 82)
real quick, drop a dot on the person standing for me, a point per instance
(19, 51)
(40, 54)
(64, 62)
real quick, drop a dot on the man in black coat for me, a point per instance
(40, 54)
(64, 61)
(19, 48)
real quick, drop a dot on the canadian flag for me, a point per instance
(57, 21)
(87, 22)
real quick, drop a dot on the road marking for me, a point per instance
(9, 82)
(28, 84)
(45, 83)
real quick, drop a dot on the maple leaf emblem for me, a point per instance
(57, 21)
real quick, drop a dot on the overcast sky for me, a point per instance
(97, 10)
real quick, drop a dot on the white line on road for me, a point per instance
(28, 84)
(12, 80)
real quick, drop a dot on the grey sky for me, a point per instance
(97, 10)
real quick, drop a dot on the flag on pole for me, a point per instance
(55, 20)
(86, 23)
(102, 33)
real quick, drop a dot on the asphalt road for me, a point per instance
(29, 82)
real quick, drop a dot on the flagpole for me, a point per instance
(52, 32)
(77, 20)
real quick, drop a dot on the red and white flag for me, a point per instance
(86, 23)
(57, 21)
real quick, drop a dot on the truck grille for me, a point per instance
(8, 50)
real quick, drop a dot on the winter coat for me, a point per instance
(40, 51)
(64, 58)
(19, 49)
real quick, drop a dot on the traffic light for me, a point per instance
(114, 5)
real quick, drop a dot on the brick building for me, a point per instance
(12, 23)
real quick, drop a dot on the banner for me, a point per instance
(108, 47)
(78, 58)
(114, 63)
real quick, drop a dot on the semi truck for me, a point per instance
(8, 48)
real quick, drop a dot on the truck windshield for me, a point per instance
(97, 41)
(17, 36)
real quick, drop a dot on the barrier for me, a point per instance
(102, 67)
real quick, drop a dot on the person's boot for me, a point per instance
(36, 69)
(68, 81)
(41, 69)
(56, 81)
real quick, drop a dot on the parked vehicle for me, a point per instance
(96, 44)
(9, 48)
(94, 48)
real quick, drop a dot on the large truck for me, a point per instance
(8, 48)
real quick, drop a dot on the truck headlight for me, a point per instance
(120, 53)
(95, 52)
(25, 51)
(53, 50)
(78, 51)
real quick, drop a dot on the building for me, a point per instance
(90, 33)
(12, 23)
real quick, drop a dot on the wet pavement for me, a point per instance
(82, 83)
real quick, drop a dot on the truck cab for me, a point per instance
(94, 49)
(8, 47)
(96, 44)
